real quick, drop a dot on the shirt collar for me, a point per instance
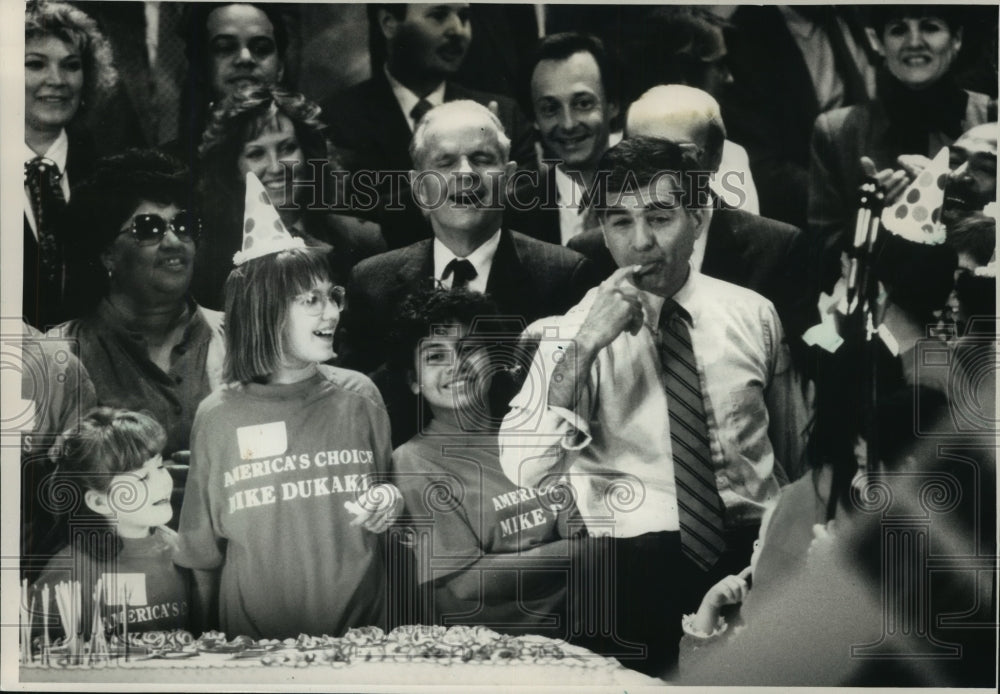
(57, 152)
(407, 99)
(481, 258)
(686, 297)
(570, 192)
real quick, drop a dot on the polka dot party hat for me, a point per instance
(916, 216)
(263, 232)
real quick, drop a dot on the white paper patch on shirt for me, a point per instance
(262, 440)
(119, 588)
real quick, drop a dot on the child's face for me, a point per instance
(312, 321)
(139, 499)
(451, 372)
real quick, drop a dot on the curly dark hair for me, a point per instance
(118, 184)
(423, 309)
(241, 117)
(75, 27)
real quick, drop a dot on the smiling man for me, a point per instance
(571, 94)
(667, 401)
(372, 122)
(461, 161)
(972, 183)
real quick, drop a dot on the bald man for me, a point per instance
(770, 257)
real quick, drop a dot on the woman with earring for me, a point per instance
(146, 344)
(67, 66)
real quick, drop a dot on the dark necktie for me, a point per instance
(418, 111)
(464, 273)
(698, 504)
(41, 177)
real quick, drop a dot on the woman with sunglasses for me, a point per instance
(274, 134)
(146, 344)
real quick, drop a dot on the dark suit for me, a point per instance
(371, 133)
(528, 280)
(770, 109)
(770, 257)
(539, 221)
(45, 304)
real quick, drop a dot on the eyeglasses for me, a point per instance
(149, 229)
(314, 303)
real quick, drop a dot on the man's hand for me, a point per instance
(893, 181)
(615, 309)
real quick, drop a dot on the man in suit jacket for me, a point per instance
(767, 256)
(460, 159)
(790, 64)
(372, 122)
(571, 91)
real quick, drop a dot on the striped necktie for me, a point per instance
(698, 504)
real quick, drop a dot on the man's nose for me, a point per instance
(245, 56)
(642, 239)
(566, 119)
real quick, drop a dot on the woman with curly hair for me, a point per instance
(67, 69)
(276, 134)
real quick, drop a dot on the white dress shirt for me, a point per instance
(570, 194)
(58, 152)
(614, 446)
(733, 182)
(407, 99)
(481, 259)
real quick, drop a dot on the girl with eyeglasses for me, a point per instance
(145, 343)
(285, 506)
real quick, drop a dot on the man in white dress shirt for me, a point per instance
(606, 420)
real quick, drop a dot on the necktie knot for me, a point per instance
(463, 272)
(41, 169)
(420, 110)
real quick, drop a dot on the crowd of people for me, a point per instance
(614, 354)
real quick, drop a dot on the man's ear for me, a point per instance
(388, 23)
(97, 502)
(411, 379)
(699, 215)
(281, 71)
(613, 111)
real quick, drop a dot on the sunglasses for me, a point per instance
(149, 229)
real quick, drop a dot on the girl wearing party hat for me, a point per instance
(285, 502)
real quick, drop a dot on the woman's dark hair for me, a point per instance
(242, 117)
(880, 15)
(102, 204)
(107, 442)
(258, 295)
(118, 184)
(77, 28)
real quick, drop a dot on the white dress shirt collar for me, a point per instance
(407, 99)
(687, 297)
(570, 196)
(481, 259)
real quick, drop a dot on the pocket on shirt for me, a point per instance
(745, 427)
